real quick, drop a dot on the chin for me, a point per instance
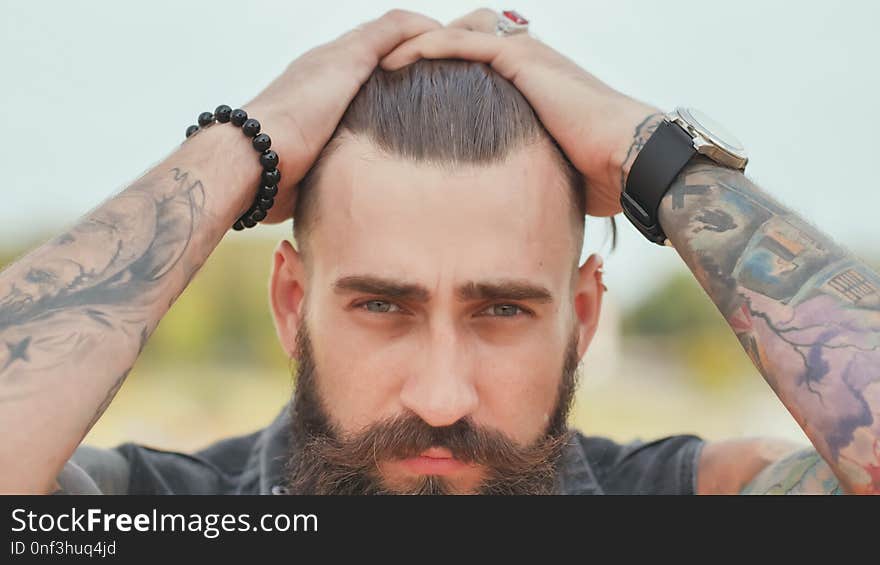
(398, 481)
(427, 485)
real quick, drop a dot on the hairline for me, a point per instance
(313, 179)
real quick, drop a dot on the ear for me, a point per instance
(287, 286)
(588, 292)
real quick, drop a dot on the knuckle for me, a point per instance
(350, 51)
(351, 37)
(464, 35)
(457, 34)
(396, 15)
(516, 54)
(524, 44)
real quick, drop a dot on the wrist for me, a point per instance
(640, 125)
(283, 130)
(222, 159)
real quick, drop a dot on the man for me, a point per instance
(435, 305)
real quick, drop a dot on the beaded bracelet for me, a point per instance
(268, 160)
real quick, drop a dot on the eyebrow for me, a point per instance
(389, 288)
(505, 289)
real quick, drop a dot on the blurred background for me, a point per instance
(94, 93)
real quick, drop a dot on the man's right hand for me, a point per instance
(301, 108)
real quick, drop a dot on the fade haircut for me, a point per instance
(441, 112)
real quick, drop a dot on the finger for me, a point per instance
(382, 35)
(483, 20)
(447, 43)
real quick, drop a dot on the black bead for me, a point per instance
(262, 142)
(265, 203)
(251, 127)
(248, 222)
(269, 159)
(238, 225)
(191, 130)
(222, 113)
(238, 117)
(267, 192)
(272, 177)
(206, 118)
(258, 215)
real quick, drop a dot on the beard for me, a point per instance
(321, 460)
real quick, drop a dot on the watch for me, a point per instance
(682, 134)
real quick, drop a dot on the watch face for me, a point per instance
(711, 129)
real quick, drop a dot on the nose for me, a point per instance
(441, 390)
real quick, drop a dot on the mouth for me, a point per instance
(437, 461)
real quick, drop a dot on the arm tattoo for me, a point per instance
(804, 309)
(802, 472)
(642, 133)
(105, 280)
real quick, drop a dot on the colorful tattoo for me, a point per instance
(805, 310)
(803, 472)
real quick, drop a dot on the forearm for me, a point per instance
(805, 310)
(76, 312)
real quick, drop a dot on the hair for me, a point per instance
(443, 112)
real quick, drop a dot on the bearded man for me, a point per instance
(435, 302)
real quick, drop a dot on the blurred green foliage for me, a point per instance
(223, 316)
(676, 306)
(679, 316)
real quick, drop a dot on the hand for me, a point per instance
(301, 108)
(594, 124)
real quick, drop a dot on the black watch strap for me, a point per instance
(664, 155)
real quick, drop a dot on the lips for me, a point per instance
(434, 461)
(437, 453)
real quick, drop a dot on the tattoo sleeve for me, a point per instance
(76, 312)
(802, 472)
(805, 310)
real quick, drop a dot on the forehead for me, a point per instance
(443, 224)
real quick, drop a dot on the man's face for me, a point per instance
(444, 294)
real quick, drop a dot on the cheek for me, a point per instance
(518, 389)
(359, 375)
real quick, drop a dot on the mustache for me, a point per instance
(347, 461)
(407, 435)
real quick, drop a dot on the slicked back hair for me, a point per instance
(442, 112)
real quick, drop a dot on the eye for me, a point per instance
(503, 311)
(380, 307)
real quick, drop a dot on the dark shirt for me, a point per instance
(254, 464)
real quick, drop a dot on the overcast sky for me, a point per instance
(93, 93)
